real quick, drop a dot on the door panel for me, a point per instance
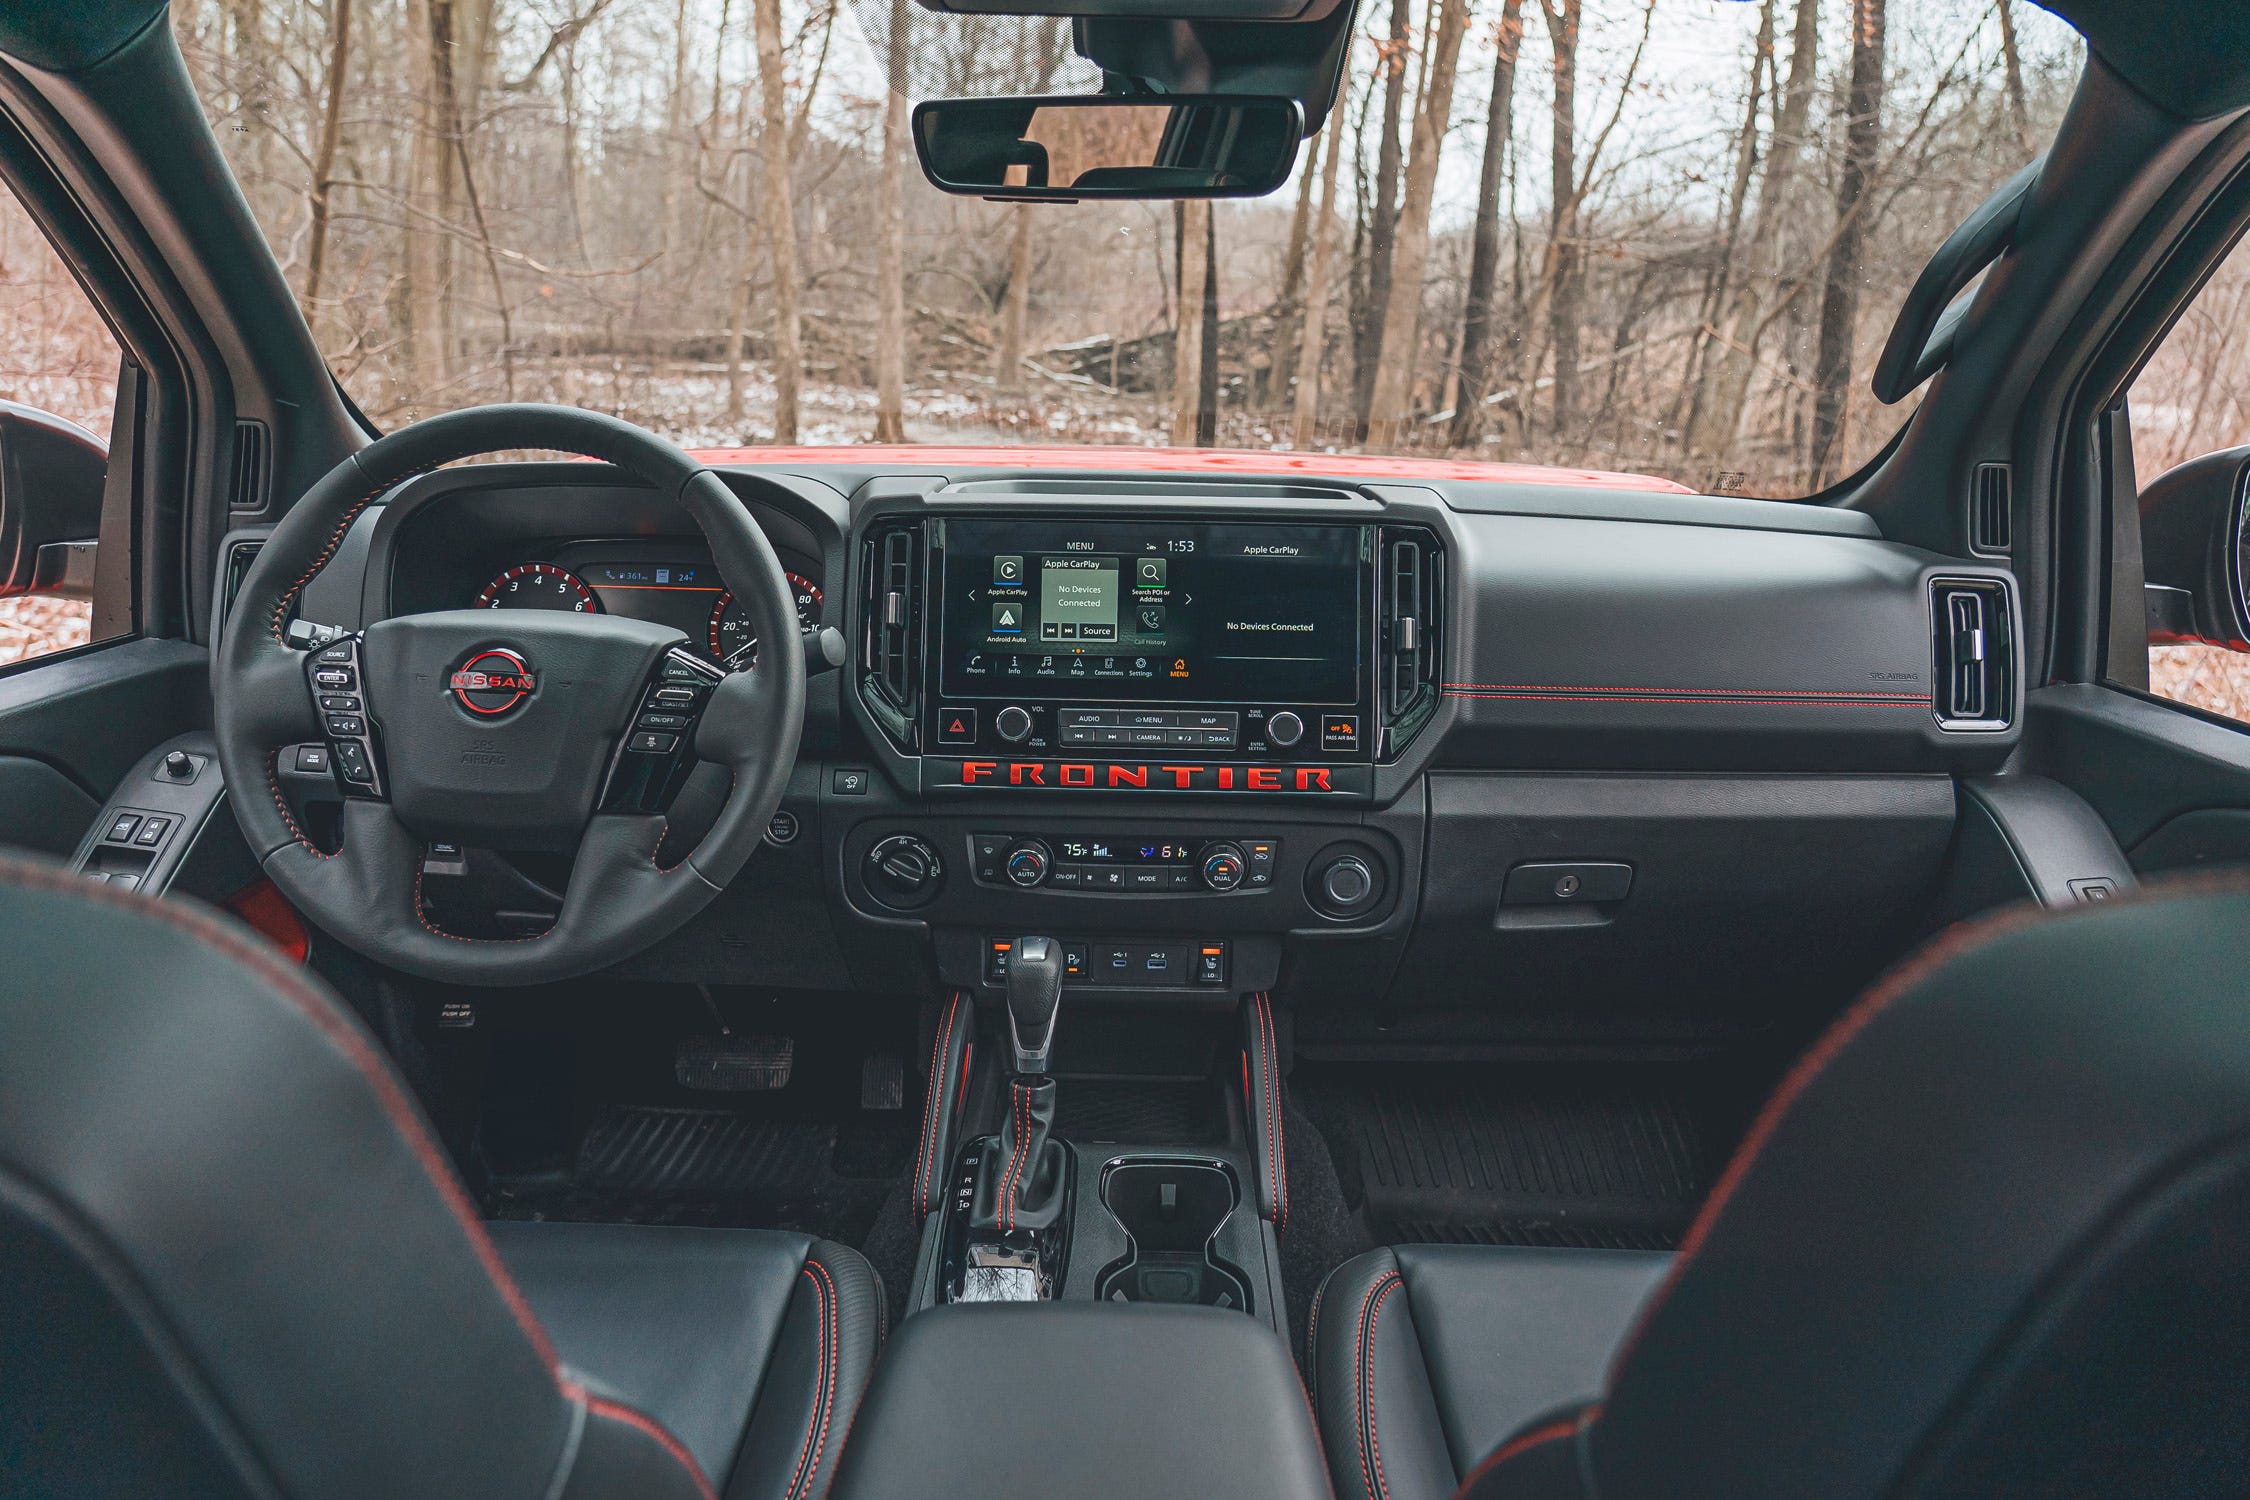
(2173, 786)
(70, 730)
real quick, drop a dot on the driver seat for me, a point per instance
(237, 1263)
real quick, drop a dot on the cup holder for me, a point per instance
(1171, 1211)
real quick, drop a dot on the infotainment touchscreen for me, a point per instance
(1151, 611)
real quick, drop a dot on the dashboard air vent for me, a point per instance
(1412, 575)
(1992, 508)
(1975, 672)
(252, 466)
(893, 645)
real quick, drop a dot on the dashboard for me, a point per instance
(1449, 758)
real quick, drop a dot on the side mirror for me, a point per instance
(52, 474)
(2195, 551)
(1066, 148)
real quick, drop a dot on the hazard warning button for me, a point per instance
(957, 726)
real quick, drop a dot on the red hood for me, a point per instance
(1188, 461)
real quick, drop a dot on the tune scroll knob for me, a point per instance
(1224, 865)
(1027, 863)
(1012, 724)
(1284, 729)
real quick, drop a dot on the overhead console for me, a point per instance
(1150, 655)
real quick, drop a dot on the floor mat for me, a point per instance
(716, 1168)
(1612, 1157)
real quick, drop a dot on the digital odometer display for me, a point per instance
(1131, 611)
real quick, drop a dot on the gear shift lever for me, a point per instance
(1035, 976)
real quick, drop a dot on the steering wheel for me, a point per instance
(518, 730)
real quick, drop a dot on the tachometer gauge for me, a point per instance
(733, 641)
(539, 586)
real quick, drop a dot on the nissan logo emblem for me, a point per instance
(492, 682)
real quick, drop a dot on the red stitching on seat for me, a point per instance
(316, 1009)
(1370, 1447)
(1524, 1442)
(642, 1422)
(1312, 1340)
(824, 1380)
(924, 1166)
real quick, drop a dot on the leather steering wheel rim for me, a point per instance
(367, 894)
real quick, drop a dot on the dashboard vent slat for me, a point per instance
(893, 646)
(1411, 577)
(1992, 508)
(252, 465)
(1975, 670)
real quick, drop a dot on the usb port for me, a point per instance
(1159, 962)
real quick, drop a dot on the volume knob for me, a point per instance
(1013, 725)
(1284, 729)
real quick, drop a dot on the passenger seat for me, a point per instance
(1991, 1235)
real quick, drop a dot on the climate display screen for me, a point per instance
(1133, 612)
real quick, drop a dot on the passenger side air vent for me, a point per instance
(1412, 575)
(892, 648)
(1992, 508)
(252, 467)
(1975, 668)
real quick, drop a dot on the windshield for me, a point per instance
(1664, 237)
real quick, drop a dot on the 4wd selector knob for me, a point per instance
(1027, 863)
(1223, 866)
(1012, 724)
(1284, 729)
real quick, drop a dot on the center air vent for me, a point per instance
(1412, 578)
(1975, 670)
(893, 649)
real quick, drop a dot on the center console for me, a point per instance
(1156, 729)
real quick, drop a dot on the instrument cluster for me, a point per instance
(683, 591)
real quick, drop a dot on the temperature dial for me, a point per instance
(1027, 863)
(1224, 866)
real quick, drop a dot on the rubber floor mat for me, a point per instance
(1610, 1157)
(708, 1167)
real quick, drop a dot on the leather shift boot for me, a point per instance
(1020, 1181)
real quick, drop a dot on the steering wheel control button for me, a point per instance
(957, 726)
(648, 743)
(1284, 729)
(848, 781)
(313, 759)
(1224, 867)
(342, 653)
(352, 757)
(1012, 724)
(122, 830)
(335, 679)
(1339, 732)
(346, 724)
(662, 721)
(339, 703)
(903, 872)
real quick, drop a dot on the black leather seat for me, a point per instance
(237, 1263)
(1990, 1236)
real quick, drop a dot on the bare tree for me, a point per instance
(1382, 225)
(1566, 262)
(1839, 303)
(1391, 395)
(1194, 261)
(1016, 309)
(324, 156)
(1484, 244)
(781, 222)
(890, 272)
(1312, 339)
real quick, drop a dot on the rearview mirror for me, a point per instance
(1071, 147)
(51, 478)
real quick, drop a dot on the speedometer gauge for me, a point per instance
(735, 643)
(539, 586)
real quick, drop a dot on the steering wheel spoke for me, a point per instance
(656, 752)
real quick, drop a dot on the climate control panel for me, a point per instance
(1125, 865)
